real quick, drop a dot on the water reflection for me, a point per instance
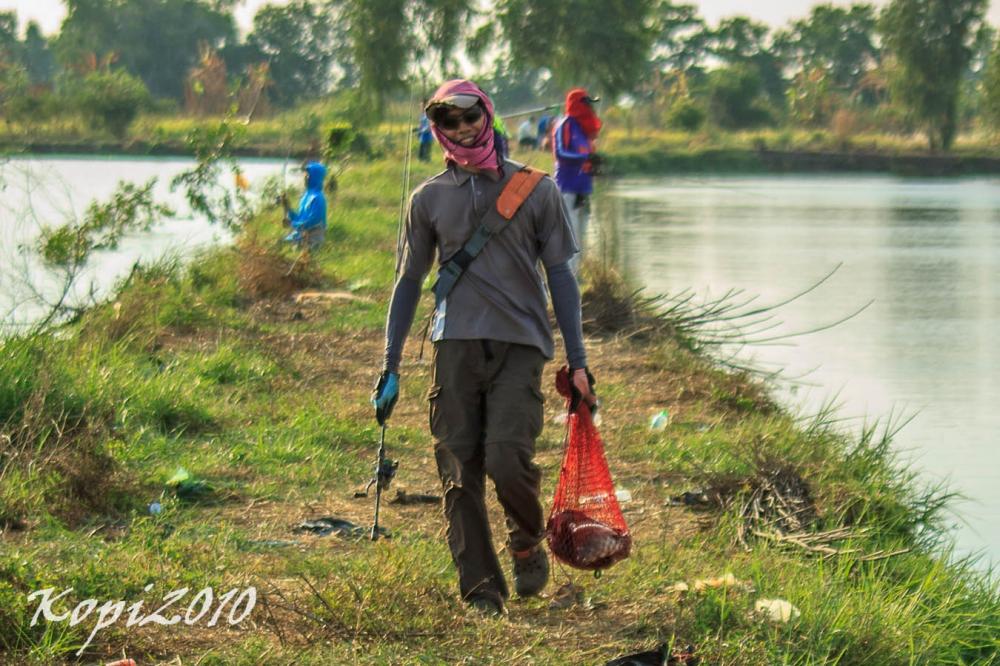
(927, 252)
(50, 191)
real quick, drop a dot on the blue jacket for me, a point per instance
(572, 150)
(312, 205)
(424, 130)
(543, 125)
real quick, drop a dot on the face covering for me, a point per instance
(482, 153)
(580, 109)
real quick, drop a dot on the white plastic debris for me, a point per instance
(623, 495)
(778, 611)
(725, 580)
(659, 421)
(155, 508)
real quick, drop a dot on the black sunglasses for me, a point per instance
(470, 117)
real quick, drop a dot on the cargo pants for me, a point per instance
(485, 414)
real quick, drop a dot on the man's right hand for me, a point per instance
(581, 384)
(384, 395)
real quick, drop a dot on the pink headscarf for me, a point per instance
(482, 153)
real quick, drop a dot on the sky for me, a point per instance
(49, 13)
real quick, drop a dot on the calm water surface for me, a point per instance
(47, 191)
(926, 252)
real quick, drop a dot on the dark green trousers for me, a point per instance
(485, 413)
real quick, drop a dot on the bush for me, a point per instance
(53, 452)
(991, 89)
(13, 87)
(343, 141)
(735, 98)
(112, 99)
(264, 272)
(686, 115)
(35, 107)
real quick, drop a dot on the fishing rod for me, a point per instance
(529, 112)
(385, 472)
(385, 469)
(404, 188)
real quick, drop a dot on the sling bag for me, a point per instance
(514, 193)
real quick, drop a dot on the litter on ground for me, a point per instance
(660, 656)
(725, 580)
(325, 297)
(405, 498)
(329, 525)
(188, 488)
(777, 611)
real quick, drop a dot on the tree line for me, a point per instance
(916, 65)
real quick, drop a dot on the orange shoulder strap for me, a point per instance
(517, 189)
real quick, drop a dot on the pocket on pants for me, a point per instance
(434, 417)
(515, 414)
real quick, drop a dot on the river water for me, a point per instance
(36, 192)
(925, 252)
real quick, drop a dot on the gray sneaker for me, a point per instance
(531, 571)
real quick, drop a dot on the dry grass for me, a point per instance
(55, 458)
(264, 271)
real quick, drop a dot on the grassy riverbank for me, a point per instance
(631, 150)
(227, 369)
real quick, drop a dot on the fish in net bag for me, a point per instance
(586, 529)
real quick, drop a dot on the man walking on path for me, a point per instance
(576, 160)
(491, 339)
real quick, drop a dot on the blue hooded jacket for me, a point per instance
(572, 150)
(312, 205)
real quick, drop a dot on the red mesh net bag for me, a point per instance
(586, 528)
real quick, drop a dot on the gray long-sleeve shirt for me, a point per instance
(501, 296)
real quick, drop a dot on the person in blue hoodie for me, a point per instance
(425, 137)
(573, 144)
(309, 221)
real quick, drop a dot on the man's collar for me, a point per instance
(460, 175)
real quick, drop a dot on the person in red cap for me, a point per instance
(573, 145)
(491, 337)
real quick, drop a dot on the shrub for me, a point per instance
(844, 125)
(13, 87)
(991, 89)
(686, 115)
(735, 98)
(264, 272)
(112, 99)
(344, 141)
(53, 453)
